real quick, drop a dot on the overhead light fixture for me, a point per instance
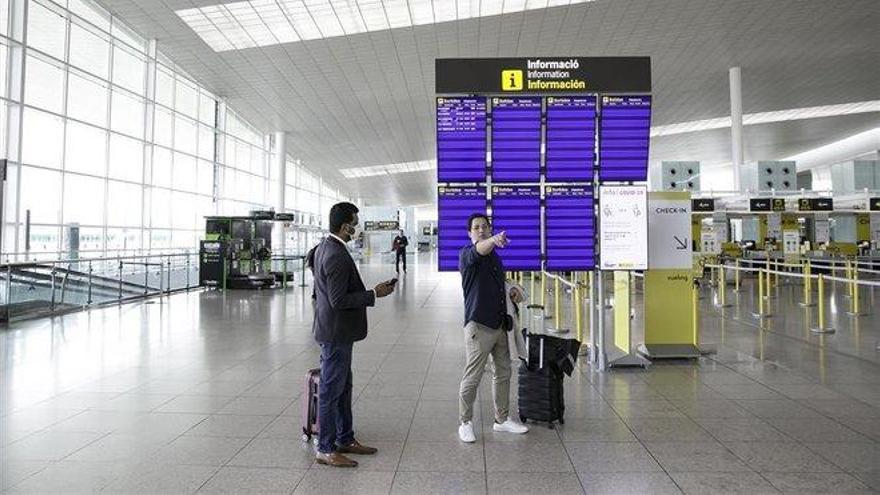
(252, 23)
(391, 168)
(769, 117)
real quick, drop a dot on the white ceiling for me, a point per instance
(367, 99)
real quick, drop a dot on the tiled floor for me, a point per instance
(201, 393)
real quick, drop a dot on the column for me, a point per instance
(10, 191)
(279, 171)
(736, 125)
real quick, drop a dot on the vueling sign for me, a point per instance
(552, 75)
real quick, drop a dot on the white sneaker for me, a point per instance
(466, 432)
(510, 426)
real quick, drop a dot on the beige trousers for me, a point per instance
(481, 342)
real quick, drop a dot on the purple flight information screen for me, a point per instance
(517, 211)
(569, 228)
(624, 132)
(516, 139)
(461, 139)
(454, 206)
(571, 139)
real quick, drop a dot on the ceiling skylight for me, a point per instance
(251, 23)
(391, 168)
(768, 117)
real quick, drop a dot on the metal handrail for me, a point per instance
(85, 260)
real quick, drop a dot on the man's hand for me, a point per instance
(500, 240)
(516, 295)
(382, 289)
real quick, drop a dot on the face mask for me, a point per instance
(354, 232)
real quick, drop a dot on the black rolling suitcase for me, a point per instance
(541, 396)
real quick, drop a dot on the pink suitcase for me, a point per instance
(310, 406)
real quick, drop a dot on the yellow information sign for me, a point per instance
(621, 311)
(669, 307)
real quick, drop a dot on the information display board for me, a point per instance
(517, 211)
(454, 206)
(570, 139)
(624, 133)
(623, 228)
(461, 139)
(516, 139)
(569, 228)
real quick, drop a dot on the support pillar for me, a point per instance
(10, 190)
(279, 171)
(736, 125)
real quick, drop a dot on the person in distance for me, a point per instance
(485, 315)
(341, 302)
(399, 247)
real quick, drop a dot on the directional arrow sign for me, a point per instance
(669, 214)
(680, 244)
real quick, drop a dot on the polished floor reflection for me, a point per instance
(200, 392)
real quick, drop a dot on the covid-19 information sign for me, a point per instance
(623, 227)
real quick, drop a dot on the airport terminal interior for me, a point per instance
(684, 197)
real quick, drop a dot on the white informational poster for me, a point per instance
(709, 243)
(623, 228)
(791, 242)
(823, 229)
(721, 229)
(875, 226)
(669, 231)
(774, 226)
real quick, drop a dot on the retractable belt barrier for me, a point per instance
(853, 283)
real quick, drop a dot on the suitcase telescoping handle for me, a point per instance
(540, 352)
(541, 355)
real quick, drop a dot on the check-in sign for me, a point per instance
(669, 230)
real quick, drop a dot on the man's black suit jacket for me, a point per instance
(341, 299)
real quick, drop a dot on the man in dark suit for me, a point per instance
(399, 246)
(341, 302)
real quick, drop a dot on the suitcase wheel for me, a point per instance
(551, 426)
(561, 421)
(522, 419)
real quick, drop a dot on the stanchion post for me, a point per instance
(722, 290)
(805, 271)
(736, 276)
(576, 306)
(695, 314)
(820, 328)
(855, 309)
(591, 314)
(532, 287)
(556, 311)
(543, 289)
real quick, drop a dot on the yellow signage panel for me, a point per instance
(512, 80)
(621, 311)
(669, 307)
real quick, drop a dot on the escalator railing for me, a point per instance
(42, 288)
